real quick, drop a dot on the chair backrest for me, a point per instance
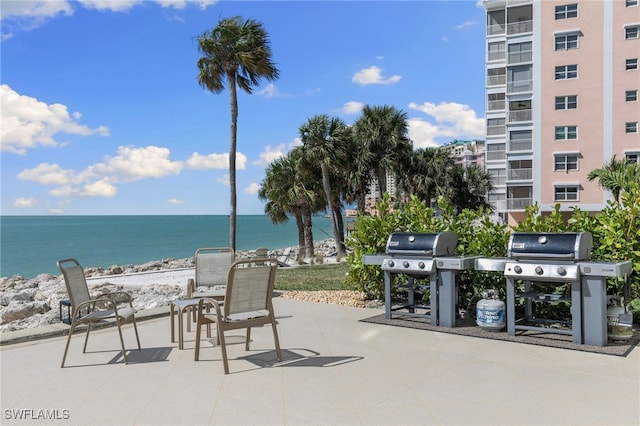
(250, 286)
(75, 281)
(212, 265)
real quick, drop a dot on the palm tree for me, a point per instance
(428, 174)
(615, 176)
(383, 133)
(471, 185)
(324, 142)
(239, 52)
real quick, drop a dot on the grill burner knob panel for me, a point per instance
(405, 263)
(539, 270)
(562, 271)
(391, 263)
(517, 269)
(421, 265)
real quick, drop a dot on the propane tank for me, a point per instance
(616, 329)
(490, 311)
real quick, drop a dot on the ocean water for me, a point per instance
(31, 245)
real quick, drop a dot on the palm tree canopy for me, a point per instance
(235, 48)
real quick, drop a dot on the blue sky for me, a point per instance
(102, 112)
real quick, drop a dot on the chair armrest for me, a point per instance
(115, 295)
(209, 301)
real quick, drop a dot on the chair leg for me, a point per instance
(275, 338)
(198, 328)
(246, 344)
(124, 351)
(86, 338)
(173, 328)
(135, 328)
(223, 347)
(66, 348)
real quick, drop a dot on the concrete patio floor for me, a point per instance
(336, 371)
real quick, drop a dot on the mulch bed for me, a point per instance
(468, 327)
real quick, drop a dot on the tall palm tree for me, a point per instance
(383, 133)
(324, 142)
(428, 174)
(615, 176)
(470, 188)
(239, 52)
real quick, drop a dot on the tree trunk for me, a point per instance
(300, 226)
(327, 191)
(232, 159)
(340, 225)
(308, 234)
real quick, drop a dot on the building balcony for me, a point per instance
(496, 105)
(495, 155)
(519, 57)
(519, 27)
(520, 86)
(519, 203)
(496, 130)
(520, 115)
(496, 56)
(520, 145)
(496, 80)
(496, 29)
(520, 174)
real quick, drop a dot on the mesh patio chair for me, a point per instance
(89, 311)
(247, 303)
(212, 267)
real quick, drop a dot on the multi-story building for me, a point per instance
(466, 153)
(562, 85)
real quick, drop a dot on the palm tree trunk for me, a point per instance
(232, 159)
(308, 234)
(327, 191)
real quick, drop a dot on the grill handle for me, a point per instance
(411, 252)
(542, 255)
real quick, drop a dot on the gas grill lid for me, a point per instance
(422, 244)
(559, 245)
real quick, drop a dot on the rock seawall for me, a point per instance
(28, 303)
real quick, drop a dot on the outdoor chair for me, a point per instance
(247, 303)
(90, 311)
(212, 267)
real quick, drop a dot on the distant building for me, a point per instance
(466, 153)
(562, 85)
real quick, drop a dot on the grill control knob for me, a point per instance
(517, 269)
(562, 271)
(421, 265)
(391, 263)
(539, 270)
(405, 263)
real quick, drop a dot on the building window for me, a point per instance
(566, 193)
(630, 3)
(631, 64)
(565, 72)
(565, 162)
(566, 102)
(567, 11)
(631, 127)
(632, 32)
(632, 157)
(631, 96)
(566, 41)
(566, 132)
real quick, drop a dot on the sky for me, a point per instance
(102, 114)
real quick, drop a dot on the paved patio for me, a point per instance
(337, 371)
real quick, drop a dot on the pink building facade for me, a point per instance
(562, 99)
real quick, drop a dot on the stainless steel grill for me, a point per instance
(422, 256)
(547, 260)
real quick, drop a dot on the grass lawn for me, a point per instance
(313, 277)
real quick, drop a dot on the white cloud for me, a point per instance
(24, 202)
(223, 180)
(56, 211)
(100, 188)
(452, 120)
(253, 188)
(465, 24)
(198, 161)
(27, 15)
(270, 91)
(174, 201)
(131, 164)
(352, 107)
(28, 123)
(269, 154)
(373, 75)
(48, 174)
